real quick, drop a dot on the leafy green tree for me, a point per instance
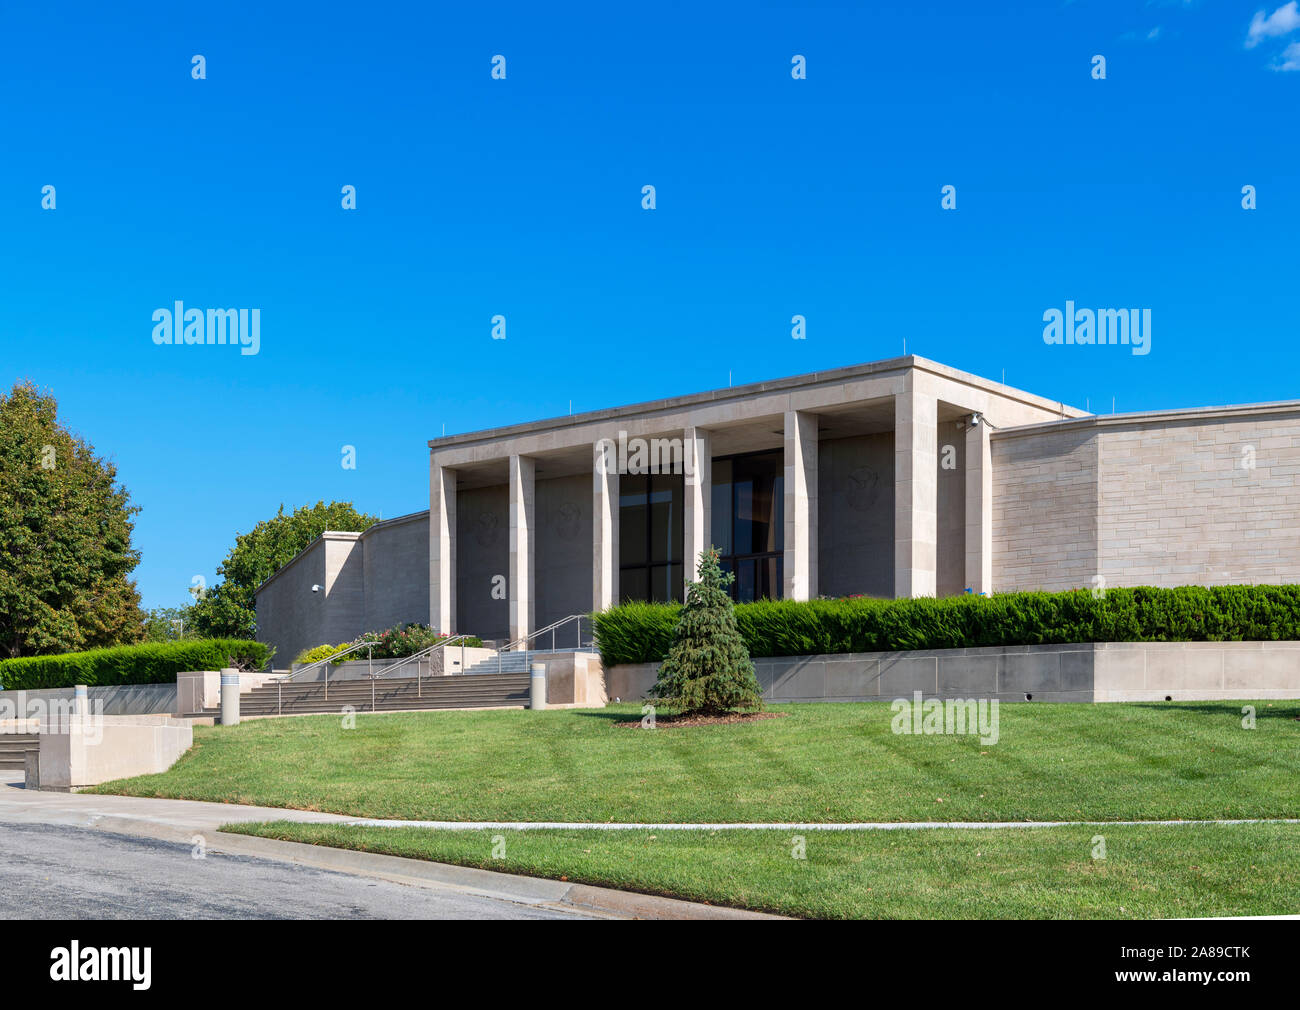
(168, 624)
(65, 536)
(227, 609)
(707, 670)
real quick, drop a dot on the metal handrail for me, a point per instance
(370, 674)
(421, 655)
(331, 659)
(552, 628)
(326, 662)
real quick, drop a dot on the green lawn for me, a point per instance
(818, 763)
(1148, 872)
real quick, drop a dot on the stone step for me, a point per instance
(479, 691)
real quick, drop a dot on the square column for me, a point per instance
(697, 462)
(800, 552)
(523, 470)
(604, 526)
(442, 548)
(979, 510)
(916, 490)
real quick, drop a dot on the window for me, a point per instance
(650, 516)
(748, 522)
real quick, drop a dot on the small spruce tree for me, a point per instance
(707, 670)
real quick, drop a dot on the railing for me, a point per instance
(552, 630)
(419, 657)
(370, 673)
(327, 662)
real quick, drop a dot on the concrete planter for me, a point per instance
(1102, 671)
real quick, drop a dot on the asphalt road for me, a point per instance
(58, 872)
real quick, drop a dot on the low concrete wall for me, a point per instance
(441, 663)
(1103, 671)
(124, 699)
(574, 680)
(87, 750)
(1192, 671)
(197, 690)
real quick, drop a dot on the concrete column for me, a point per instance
(537, 687)
(604, 527)
(800, 556)
(979, 510)
(697, 462)
(442, 548)
(523, 472)
(230, 697)
(916, 485)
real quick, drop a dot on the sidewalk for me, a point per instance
(183, 820)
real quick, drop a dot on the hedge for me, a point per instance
(151, 663)
(642, 632)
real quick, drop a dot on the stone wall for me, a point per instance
(855, 512)
(1044, 509)
(1210, 502)
(563, 552)
(1124, 671)
(1188, 498)
(482, 553)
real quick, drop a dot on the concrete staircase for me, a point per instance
(487, 690)
(518, 661)
(511, 662)
(14, 748)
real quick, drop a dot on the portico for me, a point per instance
(870, 480)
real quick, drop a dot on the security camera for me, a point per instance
(315, 589)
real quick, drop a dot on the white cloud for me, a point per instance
(1290, 58)
(1282, 21)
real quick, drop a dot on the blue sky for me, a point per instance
(522, 197)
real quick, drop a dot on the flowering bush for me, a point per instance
(403, 640)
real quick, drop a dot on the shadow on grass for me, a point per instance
(1275, 709)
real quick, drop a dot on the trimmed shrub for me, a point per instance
(643, 632)
(150, 663)
(320, 652)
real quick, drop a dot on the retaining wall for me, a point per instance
(1101, 671)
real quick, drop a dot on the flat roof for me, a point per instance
(772, 385)
(1189, 414)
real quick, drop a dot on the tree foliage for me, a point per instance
(168, 624)
(65, 536)
(707, 670)
(227, 609)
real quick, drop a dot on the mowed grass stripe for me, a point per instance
(1147, 872)
(833, 762)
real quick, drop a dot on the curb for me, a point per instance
(584, 899)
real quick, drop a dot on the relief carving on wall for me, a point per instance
(487, 527)
(568, 517)
(862, 488)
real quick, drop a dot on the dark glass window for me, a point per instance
(650, 532)
(749, 522)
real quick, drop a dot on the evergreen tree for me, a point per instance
(707, 670)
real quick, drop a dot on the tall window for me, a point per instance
(650, 537)
(748, 522)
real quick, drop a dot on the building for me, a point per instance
(895, 478)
